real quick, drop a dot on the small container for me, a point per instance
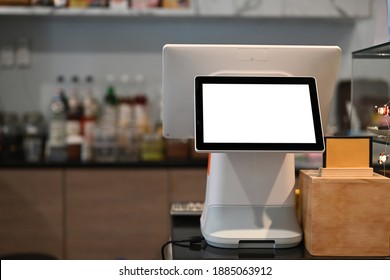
(12, 138)
(152, 147)
(33, 136)
(105, 144)
(74, 143)
(177, 149)
(128, 145)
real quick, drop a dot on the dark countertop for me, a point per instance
(187, 226)
(167, 163)
(179, 163)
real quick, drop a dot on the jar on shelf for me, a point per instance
(12, 138)
(128, 141)
(56, 149)
(33, 136)
(177, 149)
(152, 147)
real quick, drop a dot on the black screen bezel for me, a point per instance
(200, 145)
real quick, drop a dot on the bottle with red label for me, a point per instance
(56, 143)
(73, 122)
(88, 121)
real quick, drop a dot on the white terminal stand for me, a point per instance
(250, 201)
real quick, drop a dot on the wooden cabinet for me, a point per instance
(92, 213)
(187, 184)
(31, 207)
(116, 214)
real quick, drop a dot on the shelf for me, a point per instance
(49, 11)
(325, 9)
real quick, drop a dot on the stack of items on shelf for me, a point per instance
(80, 128)
(71, 121)
(112, 4)
(22, 139)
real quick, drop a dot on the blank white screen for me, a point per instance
(257, 113)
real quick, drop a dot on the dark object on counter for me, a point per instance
(74, 149)
(343, 99)
(33, 136)
(11, 138)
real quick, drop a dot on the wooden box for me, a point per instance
(345, 216)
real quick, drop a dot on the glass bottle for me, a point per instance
(56, 144)
(62, 93)
(74, 112)
(88, 121)
(73, 122)
(141, 114)
(127, 138)
(105, 144)
(128, 142)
